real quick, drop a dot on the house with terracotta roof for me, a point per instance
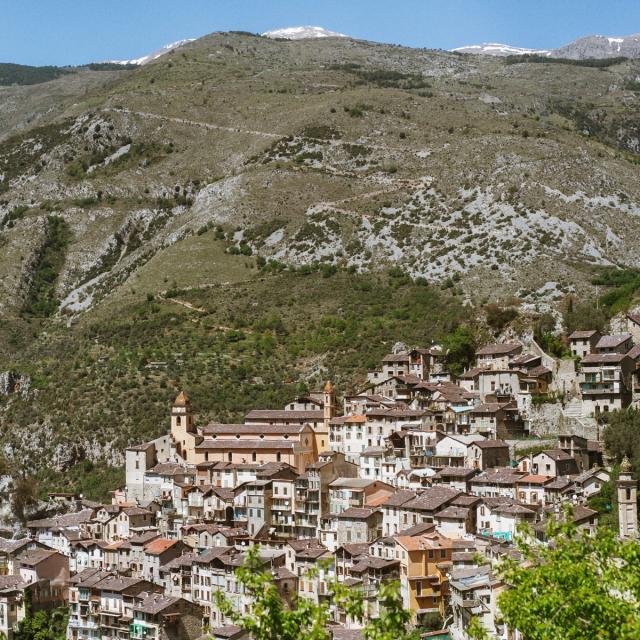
(356, 492)
(157, 553)
(13, 597)
(102, 603)
(530, 489)
(589, 483)
(317, 419)
(425, 562)
(455, 521)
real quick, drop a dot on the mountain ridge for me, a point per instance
(244, 212)
(594, 46)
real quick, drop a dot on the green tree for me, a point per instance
(582, 316)
(575, 588)
(271, 618)
(461, 348)
(43, 625)
(622, 435)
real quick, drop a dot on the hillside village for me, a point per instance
(421, 477)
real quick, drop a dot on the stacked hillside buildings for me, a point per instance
(413, 479)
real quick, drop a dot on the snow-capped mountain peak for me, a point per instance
(498, 49)
(303, 33)
(156, 54)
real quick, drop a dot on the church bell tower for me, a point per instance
(627, 501)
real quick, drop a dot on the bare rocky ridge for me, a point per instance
(579, 49)
(433, 162)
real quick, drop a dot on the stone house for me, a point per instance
(485, 454)
(583, 343)
(358, 524)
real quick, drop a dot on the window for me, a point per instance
(253, 456)
(278, 456)
(418, 588)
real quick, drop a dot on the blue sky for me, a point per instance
(78, 31)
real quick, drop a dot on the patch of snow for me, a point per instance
(155, 55)
(499, 49)
(303, 33)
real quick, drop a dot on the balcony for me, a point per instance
(600, 388)
(139, 631)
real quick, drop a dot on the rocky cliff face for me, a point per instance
(600, 47)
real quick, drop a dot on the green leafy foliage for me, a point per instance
(623, 285)
(42, 301)
(544, 335)
(271, 618)
(43, 625)
(460, 346)
(23, 74)
(597, 63)
(576, 587)
(582, 316)
(248, 348)
(622, 435)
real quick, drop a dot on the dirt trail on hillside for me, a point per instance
(265, 134)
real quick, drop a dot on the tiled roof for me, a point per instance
(66, 520)
(399, 498)
(533, 479)
(211, 444)
(455, 513)
(502, 348)
(603, 358)
(266, 414)
(582, 335)
(35, 557)
(153, 603)
(397, 357)
(356, 513)
(159, 546)
(11, 546)
(612, 341)
(491, 444)
(12, 583)
(455, 472)
(432, 498)
(117, 583)
(215, 428)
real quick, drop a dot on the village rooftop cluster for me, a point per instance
(422, 477)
